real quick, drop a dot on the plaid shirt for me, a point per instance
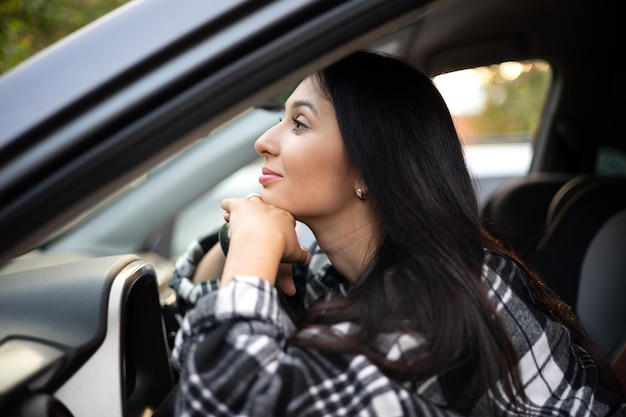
(233, 358)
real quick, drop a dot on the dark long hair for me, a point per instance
(426, 274)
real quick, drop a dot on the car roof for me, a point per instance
(447, 35)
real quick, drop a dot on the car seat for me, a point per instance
(567, 192)
(600, 300)
(581, 256)
(575, 215)
(516, 211)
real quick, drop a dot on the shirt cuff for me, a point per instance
(247, 297)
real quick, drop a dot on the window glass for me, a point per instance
(205, 214)
(611, 160)
(611, 156)
(496, 110)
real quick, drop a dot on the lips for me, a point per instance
(267, 175)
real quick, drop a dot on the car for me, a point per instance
(118, 143)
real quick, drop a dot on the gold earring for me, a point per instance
(359, 193)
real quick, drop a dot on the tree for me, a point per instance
(28, 26)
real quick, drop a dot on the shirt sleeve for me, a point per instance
(234, 360)
(558, 376)
(187, 292)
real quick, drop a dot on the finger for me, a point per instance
(284, 279)
(226, 203)
(305, 256)
(254, 197)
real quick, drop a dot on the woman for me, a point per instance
(406, 307)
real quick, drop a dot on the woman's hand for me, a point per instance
(261, 237)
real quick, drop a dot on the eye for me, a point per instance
(298, 125)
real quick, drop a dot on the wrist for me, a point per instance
(252, 255)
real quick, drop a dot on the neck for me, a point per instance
(348, 240)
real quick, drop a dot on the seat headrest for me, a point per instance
(586, 197)
(515, 213)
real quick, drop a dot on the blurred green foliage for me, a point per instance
(512, 106)
(515, 106)
(28, 26)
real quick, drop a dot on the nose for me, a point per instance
(267, 144)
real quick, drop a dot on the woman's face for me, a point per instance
(306, 172)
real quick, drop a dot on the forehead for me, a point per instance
(309, 91)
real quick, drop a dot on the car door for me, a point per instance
(91, 114)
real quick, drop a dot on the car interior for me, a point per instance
(73, 313)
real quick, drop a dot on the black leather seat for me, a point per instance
(516, 211)
(582, 255)
(600, 301)
(569, 190)
(570, 228)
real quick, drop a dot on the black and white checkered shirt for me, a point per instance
(233, 358)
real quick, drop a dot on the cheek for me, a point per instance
(318, 166)
(319, 181)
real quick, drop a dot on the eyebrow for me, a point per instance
(305, 103)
